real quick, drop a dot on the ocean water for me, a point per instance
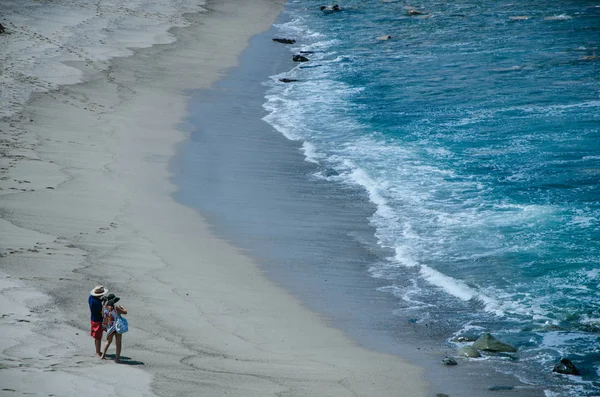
(475, 132)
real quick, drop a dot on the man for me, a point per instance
(95, 303)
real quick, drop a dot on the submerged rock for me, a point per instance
(284, 41)
(332, 8)
(330, 172)
(565, 366)
(489, 343)
(299, 58)
(465, 338)
(589, 57)
(449, 361)
(549, 326)
(509, 357)
(501, 388)
(286, 80)
(468, 351)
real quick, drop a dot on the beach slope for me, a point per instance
(86, 199)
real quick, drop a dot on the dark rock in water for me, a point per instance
(284, 41)
(449, 361)
(285, 80)
(2, 28)
(548, 326)
(489, 343)
(465, 338)
(441, 395)
(309, 66)
(307, 52)
(299, 58)
(501, 388)
(412, 11)
(468, 351)
(330, 172)
(328, 9)
(509, 357)
(565, 366)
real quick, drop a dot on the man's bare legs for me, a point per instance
(98, 343)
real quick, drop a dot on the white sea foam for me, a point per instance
(461, 290)
(390, 230)
(561, 17)
(373, 188)
(426, 211)
(310, 153)
(450, 181)
(297, 28)
(46, 39)
(592, 274)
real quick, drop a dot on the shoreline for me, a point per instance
(308, 235)
(97, 208)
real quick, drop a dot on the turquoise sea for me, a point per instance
(475, 132)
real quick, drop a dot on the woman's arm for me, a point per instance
(121, 309)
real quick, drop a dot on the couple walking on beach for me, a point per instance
(106, 316)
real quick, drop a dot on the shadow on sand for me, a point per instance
(125, 360)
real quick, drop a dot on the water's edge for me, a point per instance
(311, 236)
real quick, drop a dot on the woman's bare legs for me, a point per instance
(108, 342)
(118, 343)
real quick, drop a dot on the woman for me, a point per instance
(105, 315)
(111, 313)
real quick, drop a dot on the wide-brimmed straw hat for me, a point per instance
(99, 290)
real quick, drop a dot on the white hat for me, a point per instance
(99, 290)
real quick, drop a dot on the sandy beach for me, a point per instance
(92, 113)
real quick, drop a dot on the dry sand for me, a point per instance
(86, 200)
